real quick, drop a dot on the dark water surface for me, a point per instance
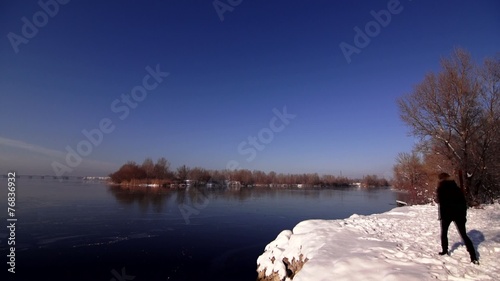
(76, 230)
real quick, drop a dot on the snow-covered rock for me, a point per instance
(401, 244)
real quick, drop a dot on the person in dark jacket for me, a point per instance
(453, 208)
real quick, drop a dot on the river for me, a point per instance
(83, 230)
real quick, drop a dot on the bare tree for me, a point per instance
(410, 174)
(148, 167)
(217, 177)
(272, 177)
(128, 172)
(312, 179)
(457, 113)
(260, 177)
(373, 181)
(183, 173)
(243, 176)
(199, 175)
(161, 168)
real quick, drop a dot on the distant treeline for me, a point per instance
(160, 173)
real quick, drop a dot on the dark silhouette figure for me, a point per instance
(453, 208)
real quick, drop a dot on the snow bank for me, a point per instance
(401, 244)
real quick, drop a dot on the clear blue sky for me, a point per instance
(225, 78)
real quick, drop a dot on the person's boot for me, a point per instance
(473, 256)
(444, 252)
(474, 260)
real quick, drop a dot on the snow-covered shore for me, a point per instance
(401, 244)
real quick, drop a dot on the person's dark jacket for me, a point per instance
(452, 204)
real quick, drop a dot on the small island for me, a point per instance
(159, 174)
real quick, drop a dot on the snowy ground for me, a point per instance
(401, 244)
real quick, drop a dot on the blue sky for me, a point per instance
(227, 78)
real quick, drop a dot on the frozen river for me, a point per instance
(77, 230)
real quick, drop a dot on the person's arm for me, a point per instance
(438, 194)
(459, 196)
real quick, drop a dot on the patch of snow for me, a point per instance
(401, 244)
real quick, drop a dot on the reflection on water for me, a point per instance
(92, 228)
(145, 197)
(157, 198)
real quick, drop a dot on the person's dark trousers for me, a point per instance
(445, 224)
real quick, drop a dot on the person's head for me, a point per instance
(443, 176)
